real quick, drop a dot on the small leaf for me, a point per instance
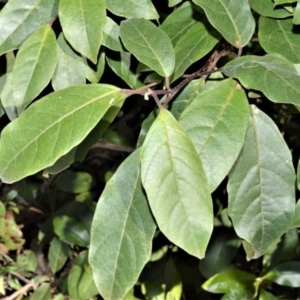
(70, 69)
(94, 72)
(271, 74)
(111, 35)
(27, 17)
(34, 67)
(259, 195)
(82, 22)
(64, 119)
(133, 9)
(122, 225)
(176, 185)
(149, 44)
(234, 22)
(58, 254)
(279, 36)
(42, 292)
(216, 121)
(266, 8)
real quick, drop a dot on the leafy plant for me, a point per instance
(182, 118)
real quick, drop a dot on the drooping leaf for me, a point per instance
(133, 9)
(64, 119)
(120, 249)
(58, 254)
(111, 35)
(70, 69)
(34, 66)
(82, 22)
(216, 122)
(19, 19)
(266, 8)
(176, 185)
(278, 36)
(259, 194)
(149, 44)
(234, 22)
(271, 74)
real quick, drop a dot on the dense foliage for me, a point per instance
(149, 149)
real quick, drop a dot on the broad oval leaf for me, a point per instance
(261, 186)
(133, 9)
(19, 19)
(61, 121)
(279, 36)
(234, 22)
(70, 69)
(122, 232)
(271, 74)
(216, 122)
(82, 22)
(266, 8)
(149, 44)
(176, 185)
(34, 67)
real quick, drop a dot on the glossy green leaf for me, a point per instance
(278, 36)
(115, 268)
(176, 185)
(34, 67)
(193, 45)
(64, 119)
(70, 69)
(19, 19)
(229, 281)
(287, 274)
(221, 250)
(111, 35)
(149, 44)
(234, 22)
(133, 9)
(271, 74)
(94, 72)
(82, 22)
(58, 255)
(266, 8)
(42, 292)
(296, 219)
(259, 194)
(216, 121)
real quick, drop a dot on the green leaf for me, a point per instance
(234, 22)
(193, 45)
(266, 8)
(82, 22)
(27, 261)
(271, 74)
(133, 9)
(230, 281)
(298, 175)
(264, 295)
(34, 67)
(259, 194)
(296, 219)
(149, 44)
(27, 17)
(173, 281)
(111, 35)
(287, 274)
(216, 121)
(278, 36)
(64, 119)
(176, 185)
(94, 72)
(296, 19)
(221, 250)
(42, 292)
(278, 2)
(58, 255)
(174, 2)
(113, 243)
(70, 69)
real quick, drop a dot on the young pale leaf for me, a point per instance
(149, 44)
(262, 198)
(19, 19)
(176, 185)
(193, 45)
(216, 121)
(70, 69)
(61, 121)
(234, 22)
(34, 67)
(133, 9)
(271, 74)
(58, 255)
(266, 8)
(278, 36)
(122, 232)
(82, 22)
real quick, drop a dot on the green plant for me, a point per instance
(225, 83)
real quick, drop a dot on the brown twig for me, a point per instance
(22, 290)
(112, 147)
